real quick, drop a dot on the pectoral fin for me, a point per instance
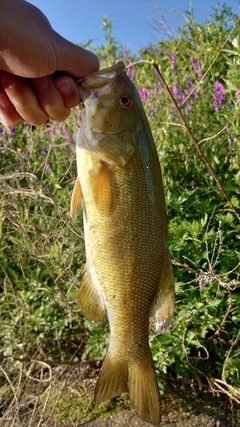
(163, 303)
(76, 199)
(102, 189)
(90, 301)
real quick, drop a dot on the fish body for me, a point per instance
(128, 271)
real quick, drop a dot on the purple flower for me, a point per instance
(48, 130)
(174, 59)
(4, 144)
(189, 82)
(193, 185)
(78, 117)
(47, 167)
(219, 89)
(44, 151)
(184, 96)
(215, 104)
(230, 142)
(218, 100)
(12, 132)
(133, 77)
(1, 132)
(195, 94)
(194, 65)
(129, 68)
(199, 70)
(238, 94)
(197, 67)
(144, 94)
(176, 89)
(152, 111)
(67, 133)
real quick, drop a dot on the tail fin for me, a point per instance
(113, 379)
(143, 391)
(137, 378)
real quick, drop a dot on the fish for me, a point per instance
(128, 273)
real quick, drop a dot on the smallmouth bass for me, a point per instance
(128, 271)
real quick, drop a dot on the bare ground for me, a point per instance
(63, 397)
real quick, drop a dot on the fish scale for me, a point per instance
(128, 272)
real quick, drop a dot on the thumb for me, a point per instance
(73, 59)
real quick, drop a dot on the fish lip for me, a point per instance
(119, 67)
(116, 67)
(110, 72)
(100, 78)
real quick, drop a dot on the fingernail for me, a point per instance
(64, 87)
(9, 81)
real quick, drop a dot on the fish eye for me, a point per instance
(125, 101)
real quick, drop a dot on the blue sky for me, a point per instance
(132, 20)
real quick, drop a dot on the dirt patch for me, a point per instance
(63, 397)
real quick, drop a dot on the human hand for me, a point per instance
(31, 55)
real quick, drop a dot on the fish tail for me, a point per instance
(143, 390)
(136, 377)
(113, 379)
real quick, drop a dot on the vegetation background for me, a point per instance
(49, 354)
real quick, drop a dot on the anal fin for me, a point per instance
(163, 303)
(90, 301)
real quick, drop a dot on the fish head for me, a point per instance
(111, 115)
